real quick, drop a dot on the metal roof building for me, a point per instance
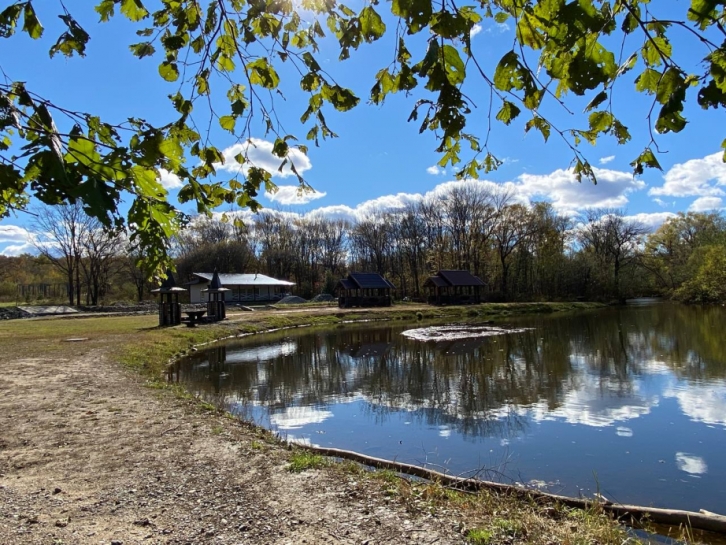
(243, 288)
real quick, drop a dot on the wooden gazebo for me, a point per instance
(454, 288)
(169, 305)
(364, 290)
(216, 307)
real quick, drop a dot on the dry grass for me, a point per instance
(497, 518)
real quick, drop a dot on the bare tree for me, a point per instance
(613, 239)
(100, 249)
(58, 234)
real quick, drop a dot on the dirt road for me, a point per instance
(90, 455)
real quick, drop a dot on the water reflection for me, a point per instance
(655, 375)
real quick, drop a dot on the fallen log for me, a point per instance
(704, 520)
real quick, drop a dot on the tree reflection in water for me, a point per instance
(637, 394)
(480, 386)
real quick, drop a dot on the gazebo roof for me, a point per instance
(215, 285)
(365, 281)
(168, 285)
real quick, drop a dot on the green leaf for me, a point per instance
(508, 112)
(31, 24)
(72, 41)
(655, 50)
(134, 10)
(143, 49)
(501, 17)
(541, 125)
(9, 19)
(371, 24)
(507, 72)
(416, 13)
(169, 71)
(280, 148)
(600, 121)
(645, 159)
(595, 102)
(227, 122)
(263, 74)
(454, 66)
(105, 10)
(648, 81)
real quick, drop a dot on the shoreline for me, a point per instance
(96, 449)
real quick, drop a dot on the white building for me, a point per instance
(243, 288)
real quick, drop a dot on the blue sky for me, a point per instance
(380, 160)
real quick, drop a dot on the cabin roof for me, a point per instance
(240, 280)
(347, 284)
(436, 281)
(370, 281)
(455, 279)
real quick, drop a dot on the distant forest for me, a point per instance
(523, 253)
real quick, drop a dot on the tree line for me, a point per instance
(523, 252)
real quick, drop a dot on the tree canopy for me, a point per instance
(251, 51)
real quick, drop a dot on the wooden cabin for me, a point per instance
(454, 288)
(364, 290)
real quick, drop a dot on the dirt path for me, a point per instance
(90, 455)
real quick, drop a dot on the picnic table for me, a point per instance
(194, 317)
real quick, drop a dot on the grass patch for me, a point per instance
(478, 536)
(303, 460)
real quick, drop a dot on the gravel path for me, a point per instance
(88, 454)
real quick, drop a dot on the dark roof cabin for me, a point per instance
(454, 288)
(364, 290)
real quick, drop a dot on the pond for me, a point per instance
(629, 401)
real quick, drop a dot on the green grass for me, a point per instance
(303, 460)
(478, 536)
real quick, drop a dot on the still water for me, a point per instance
(630, 401)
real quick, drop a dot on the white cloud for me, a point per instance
(702, 403)
(560, 187)
(660, 202)
(258, 152)
(623, 431)
(17, 249)
(695, 465)
(694, 178)
(568, 195)
(20, 238)
(292, 418)
(651, 220)
(704, 204)
(336, 212)
(293, 194)
(435, 170)
(14, 233)
(169, 180)
(606, 160)
(500, 27)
